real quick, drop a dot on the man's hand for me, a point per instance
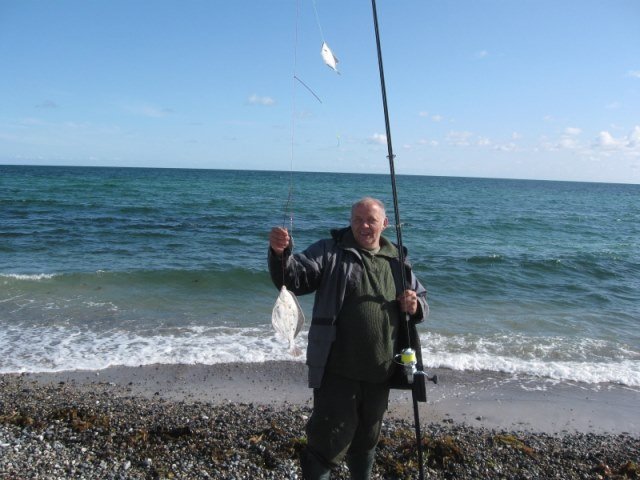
(279, 239)
(408, 302)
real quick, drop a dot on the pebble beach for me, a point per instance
(239, 421)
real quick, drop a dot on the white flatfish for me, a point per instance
(287, 319)
(329, 58)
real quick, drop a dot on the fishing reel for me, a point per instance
(408, 360)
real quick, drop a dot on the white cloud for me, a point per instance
(378, 138)
(604, 144)
(634, 73)
(433, 118)
(627, 144)
(482, 54)
(459, 139)
(469, 139)
(258, 100)
(568, 143)
(634, 137)
(568, 140)
(607, 141)
(506, 147)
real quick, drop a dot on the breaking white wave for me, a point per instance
(54, 349)
(61, 348)
(585, 360)
(33, 276)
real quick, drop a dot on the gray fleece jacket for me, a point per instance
(330, 269)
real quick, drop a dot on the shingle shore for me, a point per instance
(102, 431)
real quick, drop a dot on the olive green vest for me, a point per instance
(367, 324)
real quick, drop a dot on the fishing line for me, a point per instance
(295, 76)
(307, 87)
(315, 9)
(288, 209)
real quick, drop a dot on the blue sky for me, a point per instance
(485, 88)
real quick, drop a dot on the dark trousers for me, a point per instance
(346, 419)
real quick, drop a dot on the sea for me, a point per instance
(103, 267)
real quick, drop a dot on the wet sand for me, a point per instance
(480, 399)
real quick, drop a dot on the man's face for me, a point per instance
(367, 223)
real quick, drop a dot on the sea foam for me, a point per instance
(27, 277)
(51, 349)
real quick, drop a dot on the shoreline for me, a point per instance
(236, 421)
(479, 399)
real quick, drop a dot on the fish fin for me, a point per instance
(301, 318)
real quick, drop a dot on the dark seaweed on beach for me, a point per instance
(103, 432)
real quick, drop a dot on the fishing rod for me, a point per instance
(408, 355)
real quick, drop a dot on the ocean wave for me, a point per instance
(28, 276)
(60, 348)
(229, 276)
(485, 259)
(57, 349)
(557, 358)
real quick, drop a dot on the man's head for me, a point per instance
(368, 220)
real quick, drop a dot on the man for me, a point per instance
(357, 315)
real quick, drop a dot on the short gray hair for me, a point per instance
(366, 200)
